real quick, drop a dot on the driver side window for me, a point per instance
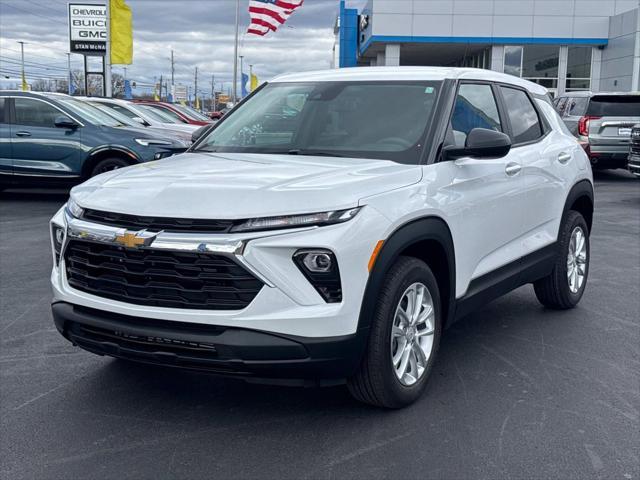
(475, 107)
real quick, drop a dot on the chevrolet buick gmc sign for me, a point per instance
(88, 28)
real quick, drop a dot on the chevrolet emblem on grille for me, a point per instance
(129, 239)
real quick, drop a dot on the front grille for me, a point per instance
(156, 224)
(159, 278)
(635, 141)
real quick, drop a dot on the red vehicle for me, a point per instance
(179, 112)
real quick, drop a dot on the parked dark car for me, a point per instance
(634, 151)
(602, 123)
(53, 138)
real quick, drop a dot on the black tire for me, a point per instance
(107, 165)
(375, 382)
(553, 290)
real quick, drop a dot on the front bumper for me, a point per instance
(238, 352)
(634, 164)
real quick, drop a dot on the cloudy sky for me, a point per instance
(199, 31)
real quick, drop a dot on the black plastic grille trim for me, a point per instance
(136, 222)
(159, 278)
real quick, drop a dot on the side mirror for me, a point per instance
(139, 120)
(195, 136)
(62, 121)
(481, 143)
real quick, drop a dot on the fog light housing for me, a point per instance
(320, 267)
(57, 239)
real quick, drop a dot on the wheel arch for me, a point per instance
(428, 239)
(101, 153)
(580, 199)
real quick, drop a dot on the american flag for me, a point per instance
(268, 15)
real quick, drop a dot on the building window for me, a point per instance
(579, 68)
(537, 63)
(513, 61)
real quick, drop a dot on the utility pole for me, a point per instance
(160, 95)
(195, 87)
(213, 93)
(23, 79)
(235, 56)
(69, 78)
(172, 76)
(250, 78)
(107, 57)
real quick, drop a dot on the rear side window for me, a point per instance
(475, 107)
(2, 120)
(35, 113)
(525, 124)
(614, 106)
(576, 107)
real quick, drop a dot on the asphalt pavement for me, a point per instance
(517, 391)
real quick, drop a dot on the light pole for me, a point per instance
(235, 56)
(23, 87)
(69, 79)
(241, 75)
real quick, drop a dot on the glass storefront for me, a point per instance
(579, 68)
(537, 63)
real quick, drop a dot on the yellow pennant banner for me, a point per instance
(121, 33)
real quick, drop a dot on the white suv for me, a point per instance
(328, 229)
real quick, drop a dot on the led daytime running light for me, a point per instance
(293, 221)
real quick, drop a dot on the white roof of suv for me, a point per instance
(407, 73)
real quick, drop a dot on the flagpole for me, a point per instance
(235, 56)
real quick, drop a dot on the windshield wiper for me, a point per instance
(313, 153)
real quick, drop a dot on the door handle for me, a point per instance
(23, 134)
(512, 169)
(564, 157)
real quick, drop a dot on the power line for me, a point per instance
(30, 64)
(33, 13)
(43, 6)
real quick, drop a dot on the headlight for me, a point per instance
(145, 142)
(294, 221)
(73, 209)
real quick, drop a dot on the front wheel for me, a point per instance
(107, 165)
(564, 286)
(404, 337)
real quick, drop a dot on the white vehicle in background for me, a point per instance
(144, 116)
(308, 238)
(181, 136)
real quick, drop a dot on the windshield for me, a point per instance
(157, 114)
(386, 120)
(191, 113)
(89, 112)
(116, 114)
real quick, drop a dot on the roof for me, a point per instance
(407, 73)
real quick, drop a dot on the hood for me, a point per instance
(239, 185)
(179, 127)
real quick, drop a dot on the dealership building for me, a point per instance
(565, 45)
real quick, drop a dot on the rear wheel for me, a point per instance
(564, 286)
(107, 165)
(404, 338)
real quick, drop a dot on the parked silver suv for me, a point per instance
(602, 123)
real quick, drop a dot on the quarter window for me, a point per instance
(2, 111)
(475, 107)
(525, 124)
(35, 113)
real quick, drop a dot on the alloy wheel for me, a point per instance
(412, 334)
(577, 260)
